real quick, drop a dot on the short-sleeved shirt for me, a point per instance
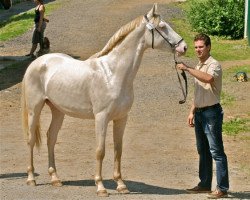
(208, 94)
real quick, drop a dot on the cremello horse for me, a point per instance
(99, 88)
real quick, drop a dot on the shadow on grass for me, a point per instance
(24, 16)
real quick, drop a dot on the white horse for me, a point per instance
(99, 88)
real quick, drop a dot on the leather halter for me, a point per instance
(151, 27)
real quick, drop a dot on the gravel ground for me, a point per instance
(159, 156)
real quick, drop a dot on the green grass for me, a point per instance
(229, 73)
(222, 49)
(228, 77)
(227, 99)
(19, 24)
(235, 126)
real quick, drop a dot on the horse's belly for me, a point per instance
(70, 97)
(73, 108)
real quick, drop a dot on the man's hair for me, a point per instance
(203, 37)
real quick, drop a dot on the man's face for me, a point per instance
(201, 50)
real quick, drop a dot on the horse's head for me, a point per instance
(160, 35)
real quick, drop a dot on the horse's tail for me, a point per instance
(25, 122)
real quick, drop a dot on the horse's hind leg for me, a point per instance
(56, 123)
(34, 137)
(118, 131)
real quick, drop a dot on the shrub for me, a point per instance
(217, 17)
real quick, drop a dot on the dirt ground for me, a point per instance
(159, 154)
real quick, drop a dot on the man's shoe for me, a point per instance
(217, 194)
(198, 189)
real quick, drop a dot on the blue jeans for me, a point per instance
(208, 131)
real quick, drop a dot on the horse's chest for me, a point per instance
(121, 105)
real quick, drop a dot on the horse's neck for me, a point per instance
(125, 59)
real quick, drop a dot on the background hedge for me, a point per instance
(218, 17)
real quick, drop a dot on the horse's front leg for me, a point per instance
(101, 124)
(118, 131)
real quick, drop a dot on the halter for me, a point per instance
(151, 27)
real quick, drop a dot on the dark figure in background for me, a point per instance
(6, 4)
(206, 115)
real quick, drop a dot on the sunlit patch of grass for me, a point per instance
(236, 126)
(229, 73)
(16, 26)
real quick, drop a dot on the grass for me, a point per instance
(229, 73)
(226, 99)
(227, 78)
(235, 126)
(222, 49)
(19, 24)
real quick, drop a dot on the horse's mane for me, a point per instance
(118, 37)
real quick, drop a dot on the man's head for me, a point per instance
(202, 44)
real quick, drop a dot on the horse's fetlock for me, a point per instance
(98, 179)
(117, 177)
(30, 169)
(51, 170)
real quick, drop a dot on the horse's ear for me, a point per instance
(153, 11)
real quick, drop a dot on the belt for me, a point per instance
(207, 107)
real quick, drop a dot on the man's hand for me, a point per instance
(182, 66)
(191, 120)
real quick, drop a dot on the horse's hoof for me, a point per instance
(56, 183)
(31, 182)
(123, 190)
(102, 193)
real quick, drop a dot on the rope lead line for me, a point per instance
(151, 27)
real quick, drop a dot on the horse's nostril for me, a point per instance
(185, 48)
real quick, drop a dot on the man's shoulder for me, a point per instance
(211, 60)
(213, 63)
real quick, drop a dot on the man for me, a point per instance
(206, 115)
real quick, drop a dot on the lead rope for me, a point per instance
(179, 79)
(172, 46)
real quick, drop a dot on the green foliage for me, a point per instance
(235, 126)
(222, 48)
(217, 17)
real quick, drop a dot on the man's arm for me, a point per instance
(201, 76)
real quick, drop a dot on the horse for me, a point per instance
(99, 88)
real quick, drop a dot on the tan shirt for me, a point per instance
(208, 94)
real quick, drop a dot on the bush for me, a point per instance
(218, 17)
